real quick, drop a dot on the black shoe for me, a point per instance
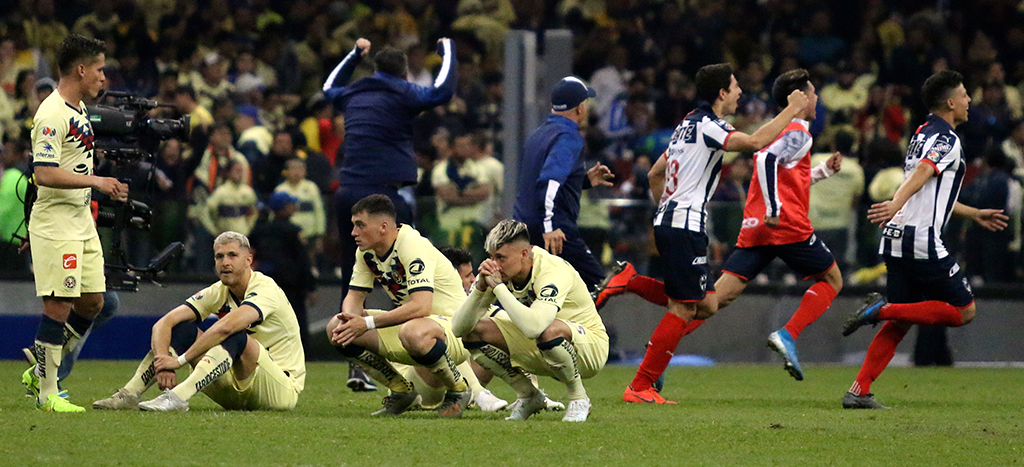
(867, 314)
(867, 401)
(358, 381)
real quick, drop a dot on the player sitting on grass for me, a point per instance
(250, 359)
(425, 290)
(551, 327)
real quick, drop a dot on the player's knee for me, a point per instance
(687, 310)
(333, 323)
(707, 308)
(481, 330)
(834, 278)
(419, 337)
(967, 314)
(554, 331)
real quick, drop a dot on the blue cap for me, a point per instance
(570, 92)
(280, 199)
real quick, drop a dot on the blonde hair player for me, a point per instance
(551, 328)
(250, 359)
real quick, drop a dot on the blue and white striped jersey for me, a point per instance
(694, 163)
(914, 232)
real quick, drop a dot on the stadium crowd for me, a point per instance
(249, 73)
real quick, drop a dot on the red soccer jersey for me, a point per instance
(780, 187)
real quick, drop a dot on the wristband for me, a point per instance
(369, 323)
(182, 360)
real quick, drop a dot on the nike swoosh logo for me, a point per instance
(649, 401)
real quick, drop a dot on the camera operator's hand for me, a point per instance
(112, 187)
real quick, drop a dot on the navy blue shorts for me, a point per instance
(685, 256)
(916, 280)
(808, 258)
(576, 252)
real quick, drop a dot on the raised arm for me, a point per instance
(446, 81)
(739, 141)
(343, 72)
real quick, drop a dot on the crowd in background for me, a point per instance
(249, 75)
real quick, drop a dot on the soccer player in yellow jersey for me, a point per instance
(65, 247)
(550, 328)
(250, 359)
(425, 290)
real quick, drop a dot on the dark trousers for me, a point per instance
(576, 252)
(344, 199)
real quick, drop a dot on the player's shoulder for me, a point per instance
(260, 283)
(53, 106)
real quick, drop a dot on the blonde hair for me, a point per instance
(506, 232)
(233, 237)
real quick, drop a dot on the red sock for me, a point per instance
(660, 349)
(932, 312)
(880, 352)
(816, 300)
(649, 289)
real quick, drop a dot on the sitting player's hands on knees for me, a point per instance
(166, 379)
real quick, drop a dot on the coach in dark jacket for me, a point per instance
(379, 111)
(552, 179)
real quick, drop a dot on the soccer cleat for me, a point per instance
(614, 284)
(552, 405)
(578, 411)
(867, 401)
(121, 400)
(166, 402)
(647, 396)
(455, 403)
(358, 381)
(56, 403)
(488, 402)
(524, 407)
(31, 382)
(398, 402)
(867, 314)
(782, 342)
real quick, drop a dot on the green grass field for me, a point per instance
(728, 415)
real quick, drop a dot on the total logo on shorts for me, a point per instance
(70, 261)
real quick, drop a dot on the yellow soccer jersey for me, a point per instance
(277, 329)
(412, 264)
(309, 214)
(232, 206)
(554, 280)
(62, 137)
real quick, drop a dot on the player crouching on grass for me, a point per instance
(551, 328)
(250, 359)
(425, 290)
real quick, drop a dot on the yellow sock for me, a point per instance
(213, 365)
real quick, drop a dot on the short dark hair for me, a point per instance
(76, 49)
(375, 204)
(457, 256)
(937, 88)
(786, 83)
(711, 79)
(391, 61)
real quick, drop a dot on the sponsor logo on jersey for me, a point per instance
(549, 291)
(700, 260)
(70, 261)
(251, 295)
(750, 222)
(198, 296)
(416, 267)
(48, 147)
(892, 232)
(70, 282)
(48, 132)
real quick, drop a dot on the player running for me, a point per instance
(925, 284)
(775, 224)
(684, 178)
(550, 327)
(250, 359)
(425, 290)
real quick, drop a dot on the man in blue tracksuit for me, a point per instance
(552, 178)
(379, 111)
(378, 152)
